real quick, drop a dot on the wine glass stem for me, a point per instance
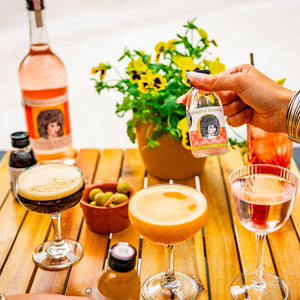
(58, 239)
(170, 281)
(259, 283)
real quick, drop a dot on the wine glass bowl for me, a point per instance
(262, 198)
(168, 214)
(52, 189)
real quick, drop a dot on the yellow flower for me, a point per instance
(101, 68)
(159, 48)
(163, 47)
(216, 66)
(151, 81)
(202, 33)
(170, 46)
(136, 68)
(204, 36)
(186, 64)
(138, 65)
(183, 62)
(134, 76)
(183, 126)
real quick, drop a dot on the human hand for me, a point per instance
(43, 297)
(248, 96)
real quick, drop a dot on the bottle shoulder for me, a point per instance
(42, 70)
(22, 158)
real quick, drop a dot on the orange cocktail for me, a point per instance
(168, 214)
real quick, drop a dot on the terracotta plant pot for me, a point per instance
(171, 160)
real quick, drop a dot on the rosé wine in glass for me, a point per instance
(262, 197)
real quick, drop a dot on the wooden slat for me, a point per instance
(133, 169)
(109, 167)
(19, 267)
(222, 265)
(11, 216)
(83, 278)
(133, 172)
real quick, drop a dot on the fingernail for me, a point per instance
(179, 99)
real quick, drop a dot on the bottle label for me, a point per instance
(48, 122)
(207, 128)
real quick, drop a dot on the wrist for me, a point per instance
(293, 118)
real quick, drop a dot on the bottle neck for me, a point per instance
(38, 30)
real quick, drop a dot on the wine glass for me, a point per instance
(168, 214)
(262, 197)
(52, 189)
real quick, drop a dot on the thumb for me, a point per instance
(218, 82)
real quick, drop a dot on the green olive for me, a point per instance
(93, 193)
(109, 194)
(123, 187)
(101, 198)
(120, 198)
(93, 203)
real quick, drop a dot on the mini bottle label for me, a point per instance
(48, 122)
(207, 128)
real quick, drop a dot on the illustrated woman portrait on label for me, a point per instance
(209, 126)
(50, 123)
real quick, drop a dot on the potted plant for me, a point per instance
(150, 86)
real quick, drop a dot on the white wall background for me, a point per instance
(83, 33)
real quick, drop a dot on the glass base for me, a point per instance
(274, 288)
(51, 257)
(187, 288)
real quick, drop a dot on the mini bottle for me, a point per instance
(21, 157)
(120, 280)
(43, 82)
(206, 123)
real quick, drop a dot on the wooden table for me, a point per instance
(214, 256)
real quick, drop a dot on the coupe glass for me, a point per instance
(168, 214)
(52, 189)
(262, 197)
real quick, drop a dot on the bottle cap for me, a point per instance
(20, 139)
(122, 257)
(199, 71)
(37, 5)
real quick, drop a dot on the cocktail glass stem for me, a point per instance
(58, 248)
(170, 281)
(259, 283)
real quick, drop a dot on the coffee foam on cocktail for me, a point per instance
(49, 182)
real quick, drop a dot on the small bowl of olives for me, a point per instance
(105, 206)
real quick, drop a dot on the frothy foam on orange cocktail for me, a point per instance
(168, 214)
(49, 182)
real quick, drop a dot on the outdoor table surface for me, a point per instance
(214, 256)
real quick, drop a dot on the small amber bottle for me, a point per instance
(120, 280)
(21, 157)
